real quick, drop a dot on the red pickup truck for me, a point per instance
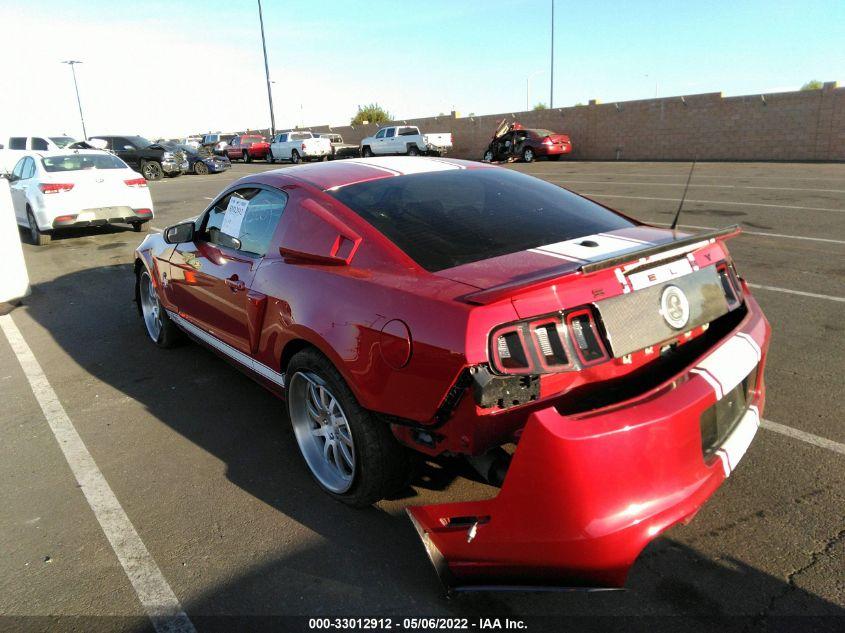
(248, 147)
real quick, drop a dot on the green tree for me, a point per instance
(540, 106)
(813, 84)
(373, 113)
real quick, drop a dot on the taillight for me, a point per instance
(548, 141)
(136, 182)
(52, 187)
(585, 335)
(730, 284)
(549, 344)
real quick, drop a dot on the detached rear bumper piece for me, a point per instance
(586, 493)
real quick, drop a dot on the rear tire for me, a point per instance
(413, 150)
(36, 236)
(151, 170)
(528, 155)
(555, 157)
(366, 152)
(379, 464)
(294, 157)
(488, 156)
(141, 227)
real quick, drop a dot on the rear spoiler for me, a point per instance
(490, 295)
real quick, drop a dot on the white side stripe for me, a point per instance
(160, 603)
(224, 348)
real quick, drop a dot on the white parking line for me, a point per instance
(681, 175)
(815, 440)
(692, 185)
(798, 292)
(160, 603)
(762, 233)
(156, 229)
(717, 202)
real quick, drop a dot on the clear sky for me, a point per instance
(178, 66)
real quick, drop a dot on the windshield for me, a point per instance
(187, 149)
(449, 218)
(62, 141)
(78, 162)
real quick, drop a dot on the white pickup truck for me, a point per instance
(406, 139)
(297, 146)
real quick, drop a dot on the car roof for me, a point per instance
(335, 174)
(66, 152)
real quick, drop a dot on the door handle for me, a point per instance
(235, 284)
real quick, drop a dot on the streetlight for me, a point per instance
(71, 63)
(528, 87)
(552, 72)
(267, 72)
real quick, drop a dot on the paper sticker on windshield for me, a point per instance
(234, 216)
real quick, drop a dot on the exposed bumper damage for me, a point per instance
(585, 494)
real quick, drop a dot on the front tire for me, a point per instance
(151, 170)
(247, 157)
(200, 168)
(351, 454)
(160, 328)
(270, 158)
(36, 236)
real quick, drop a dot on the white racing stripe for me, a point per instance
(729, 364)
(602, 246)
(160, 603)
(737, 443)
(680, 184)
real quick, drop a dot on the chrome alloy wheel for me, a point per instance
(150, 307)
(322, 432)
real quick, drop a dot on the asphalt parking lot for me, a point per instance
(203, 463)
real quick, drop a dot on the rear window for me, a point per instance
(449, 218)
(408, 131)
(77, 162)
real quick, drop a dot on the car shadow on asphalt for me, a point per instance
(367, 562)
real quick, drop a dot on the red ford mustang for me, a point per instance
(606, 375)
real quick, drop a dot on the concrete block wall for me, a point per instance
(787, 126)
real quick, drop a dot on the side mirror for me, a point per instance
(179, 233)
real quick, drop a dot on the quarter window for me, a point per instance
(17, 142)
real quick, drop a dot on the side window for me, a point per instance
(380, 134)
(259, 221)
(39, 144)
(17, 172)
(235, 142)
(17, 142)
(391, 132)
(28, 169)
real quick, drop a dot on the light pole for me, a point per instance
(528, 88)
(552, 71)
(267, 72)
(71, 63)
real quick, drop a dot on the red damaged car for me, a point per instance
(248, 147)
(512, 141)
(605, 374)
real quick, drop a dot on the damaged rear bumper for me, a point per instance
(585, 494)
